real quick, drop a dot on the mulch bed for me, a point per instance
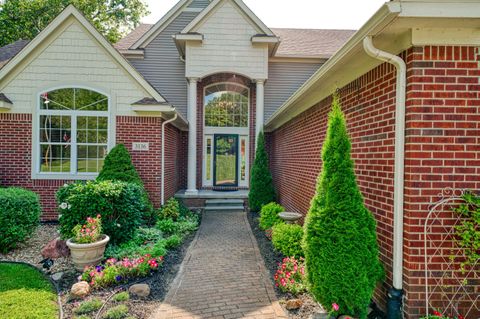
(271, 259)
(159, 282)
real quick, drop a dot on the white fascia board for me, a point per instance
(132, 54)
(197, 37)
(162, 110)
(246, 10)
(265, 39)
(5, 105)
(383, 17)
(441, 9)
(63, 16)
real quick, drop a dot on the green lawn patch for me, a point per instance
(26, 293)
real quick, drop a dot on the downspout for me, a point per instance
(395, 294)
(162, 183)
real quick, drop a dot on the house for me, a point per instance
(189, 94)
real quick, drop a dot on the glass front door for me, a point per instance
(225, 160)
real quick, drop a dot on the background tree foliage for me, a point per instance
(24, 19)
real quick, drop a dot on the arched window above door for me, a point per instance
(226, 105)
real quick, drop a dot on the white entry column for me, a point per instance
(192, 137)
(259, 118)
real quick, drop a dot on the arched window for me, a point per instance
(72, 131)
(226, 105)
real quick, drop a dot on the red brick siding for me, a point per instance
(16, 159)
(442, 148)
(222, 78)
(295, 148)
(131, 129)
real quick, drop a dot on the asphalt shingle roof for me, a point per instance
(10, 50)
(321, 43)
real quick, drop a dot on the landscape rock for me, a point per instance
(55, 249)
(57, 276)
(293, 304)
(140, 290)
(80, 289)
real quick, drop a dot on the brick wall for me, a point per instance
(16, 159)
(442, 150)
(295, 150)
(223, 78)
(131, 129)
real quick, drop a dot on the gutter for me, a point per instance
(395, 294)
(162, 182)
(383, 17)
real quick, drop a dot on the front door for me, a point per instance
(225, 162)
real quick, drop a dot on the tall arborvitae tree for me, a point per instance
(340, 239)
(262, 191)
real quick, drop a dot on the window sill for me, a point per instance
(60, 176)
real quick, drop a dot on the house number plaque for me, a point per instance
(140, 146)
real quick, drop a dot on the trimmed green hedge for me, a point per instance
(19, 216)
(287, 238)
(269, 215)
(120, 204)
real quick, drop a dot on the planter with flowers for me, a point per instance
(88, 245)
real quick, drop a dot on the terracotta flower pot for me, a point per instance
(87, 254)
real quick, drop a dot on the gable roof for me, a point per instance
(153, 31)
(64, 15)
(10, 50)
(295, 43)
(308, 43)
(262, 28)
(130, 39)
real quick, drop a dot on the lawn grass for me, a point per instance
(25, 293)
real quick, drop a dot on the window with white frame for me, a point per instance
(72, 131)
(226, 105)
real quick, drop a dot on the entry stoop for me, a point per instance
(224, 204)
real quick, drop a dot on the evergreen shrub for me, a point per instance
(119, 204)
(261, 183)
(269, 215)
(19, 216)
(340, 241)
(287, 238)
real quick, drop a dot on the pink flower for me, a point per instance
(335, 306)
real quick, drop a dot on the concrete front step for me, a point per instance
(224, 202)
(236, 208)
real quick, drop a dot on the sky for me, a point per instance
(310, 14)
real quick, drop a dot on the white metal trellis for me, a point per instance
(442, 275)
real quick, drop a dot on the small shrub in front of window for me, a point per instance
(119, 204)
(118, 166)
(19, 216)
(287, 238)
(269, 215)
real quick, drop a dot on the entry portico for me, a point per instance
(220, 142)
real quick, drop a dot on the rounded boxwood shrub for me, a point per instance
(19, 216)
(261, 183)
(287, 238)
(269, 215)
(118, 166)
(120, 204)
(340, 241)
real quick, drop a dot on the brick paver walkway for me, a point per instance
(223, 275)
